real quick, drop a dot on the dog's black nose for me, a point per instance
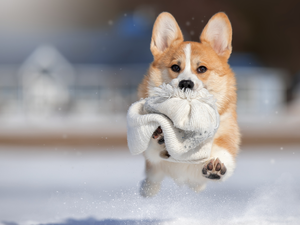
(186, 84)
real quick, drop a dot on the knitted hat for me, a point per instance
(189, 120)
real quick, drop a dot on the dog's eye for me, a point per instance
(175, 68)
(201, 69)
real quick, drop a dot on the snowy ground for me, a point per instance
(99, 187)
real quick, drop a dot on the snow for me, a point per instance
(100, 186)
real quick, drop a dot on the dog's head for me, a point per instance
(182, 63)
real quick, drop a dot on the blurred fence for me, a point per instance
(47, 100)
(106, 90)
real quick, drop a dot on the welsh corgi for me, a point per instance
(207, 61)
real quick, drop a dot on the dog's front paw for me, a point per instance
(149, 189)
(158, 134)
(214, 169)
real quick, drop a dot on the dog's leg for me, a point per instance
(221, 164)
(154, 174)
(151, 184)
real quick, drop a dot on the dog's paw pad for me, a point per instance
(157, 133)
(214, 169)
(161, 141)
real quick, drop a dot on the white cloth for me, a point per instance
(189, 120)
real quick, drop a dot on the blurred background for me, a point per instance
(69, 70)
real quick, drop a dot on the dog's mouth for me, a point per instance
(164, 154)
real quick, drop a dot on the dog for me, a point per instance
(207, 61)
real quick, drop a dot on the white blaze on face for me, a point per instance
(187, 51)
(187, 73)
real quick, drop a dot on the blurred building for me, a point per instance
(46, 78)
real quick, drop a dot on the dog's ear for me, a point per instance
(165, 32)
(218, 34)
